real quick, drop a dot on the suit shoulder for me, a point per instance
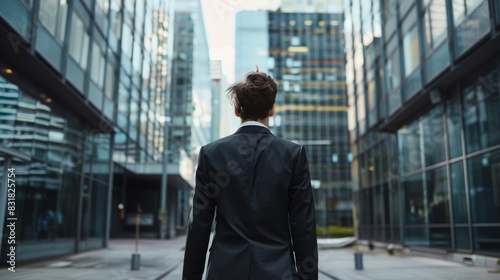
(288, 143)
(215, 144)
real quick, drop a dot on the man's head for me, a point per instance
(253, 97)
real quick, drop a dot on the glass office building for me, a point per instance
(423, 90)
(305, 55)
(83, 105)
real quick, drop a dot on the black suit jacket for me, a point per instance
(259, 188)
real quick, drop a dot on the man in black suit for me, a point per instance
(259, 188)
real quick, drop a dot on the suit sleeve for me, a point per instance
(199, 225)
(302, 220)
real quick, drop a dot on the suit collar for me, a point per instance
(253, 129)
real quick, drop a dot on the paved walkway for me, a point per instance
(158, 258)
(339, 264)
(162, 260)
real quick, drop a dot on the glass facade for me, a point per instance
(304, 53)
(306, 50)
(84, 91)
(425, 175)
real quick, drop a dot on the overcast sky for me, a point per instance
(219, 16)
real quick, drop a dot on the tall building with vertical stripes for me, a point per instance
(304, 53)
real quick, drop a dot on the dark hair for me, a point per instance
(254, 96)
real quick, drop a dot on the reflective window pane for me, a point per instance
(487, 239)
(437, 196)
(481, 101)
(454, 123)
(79, 41)
(410, 155)
(484, 184)
(393, 71)
(472, 22)
(435, 24)
(116, 18)
(462, 238)
(433, 137)
(414, 200)
(52, 15)
(458, 193)
(411, 50)
(98, 62)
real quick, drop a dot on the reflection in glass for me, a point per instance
(454, 123)
(98, 62)
(487, 239)
(458, 193)
(437, 196)
(481, 101)
(52, 15)
(462, 238)
(472, 22)
(393, 72)
(435, 24)
(79, 41)
(415, 201)
(433, 136)
(484, 183)
(410, 148)
(416, 236)
(411, 50)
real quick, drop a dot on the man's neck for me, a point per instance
(262, 121)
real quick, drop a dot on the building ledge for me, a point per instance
(439, 87)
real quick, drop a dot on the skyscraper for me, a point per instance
(424, 96)
(83, 92)
(305, 54)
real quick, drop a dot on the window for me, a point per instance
(102, 7)
(116, 18)
(53, 16)
(458, 193)
(129, 6)
(411, 50)
(110, 80)
(471, 21)
(463, 8)
(79, 41)
(433, 136)
(127, 40)
(454, 122)
(435, 24)
(484, 183)
(410, 148)
(101, 14)
(393, 71)
(97, 70)
(481, 101)
(437, 196)
(416, 211)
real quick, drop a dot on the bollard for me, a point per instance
(358, 261)
(136, 257)
(136, 261)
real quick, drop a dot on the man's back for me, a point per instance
(259, 186)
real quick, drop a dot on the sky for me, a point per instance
(219, 16)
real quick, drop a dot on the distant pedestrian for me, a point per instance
(258, 186)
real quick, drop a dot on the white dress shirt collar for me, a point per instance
(247, 123)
